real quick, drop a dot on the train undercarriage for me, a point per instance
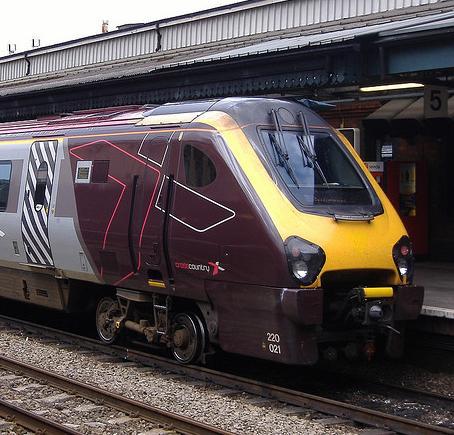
(343, 322)
(353, 325)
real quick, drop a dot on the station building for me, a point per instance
(336, 51)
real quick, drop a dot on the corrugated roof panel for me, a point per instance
(126, 69)
(309, 13)
(70, 60)
(228, 23)
(383, 5)
(338, 10)
(323, 38)
(435, 23)
(293, 15)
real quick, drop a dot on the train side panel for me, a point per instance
(39, 245)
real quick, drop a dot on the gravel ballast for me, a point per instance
(70, 410)
(205, 403)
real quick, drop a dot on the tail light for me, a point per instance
(404, 260)
(305, 259)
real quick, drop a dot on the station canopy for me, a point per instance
(325, 61)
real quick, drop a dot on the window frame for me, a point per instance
(375, 208)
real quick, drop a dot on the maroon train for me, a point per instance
(243, 223)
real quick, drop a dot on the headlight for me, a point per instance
(305, 259)
(403, 257)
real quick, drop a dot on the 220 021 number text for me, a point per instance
(273, 338)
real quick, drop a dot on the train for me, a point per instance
(246, 224)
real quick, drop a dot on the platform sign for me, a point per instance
(387, 151)
(435, 101)
(376, 169)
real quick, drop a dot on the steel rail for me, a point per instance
(379, 385)
(296, 398)
(156, 415)
(32, 421)
(431, 340)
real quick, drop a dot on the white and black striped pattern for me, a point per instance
(34, 223)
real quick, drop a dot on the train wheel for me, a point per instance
(188, 338)
(106, 310)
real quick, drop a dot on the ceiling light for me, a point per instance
(392, 87)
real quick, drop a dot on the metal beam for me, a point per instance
(416, 57)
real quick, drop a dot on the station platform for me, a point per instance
(437, 314)
(438, 281)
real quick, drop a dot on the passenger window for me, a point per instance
(199, 169)
(5, 178)
(41, 182)
(100, 171)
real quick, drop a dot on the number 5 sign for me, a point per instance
(435, 102)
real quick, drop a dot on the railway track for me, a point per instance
(16, 417)
(431, 340)
(299, 401)
(70, 389)
(410, 402)
(410, 392)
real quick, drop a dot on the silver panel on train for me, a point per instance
(12, 249)
(65, 236)
(236, 21)
(62, 233)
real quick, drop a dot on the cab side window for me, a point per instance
(5, 178)
(199, 168)
(100, 171)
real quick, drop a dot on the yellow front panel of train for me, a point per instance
(347, 245)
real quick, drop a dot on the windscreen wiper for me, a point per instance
(312, 158)
(278, 143)
(307, 152)
(283, 159)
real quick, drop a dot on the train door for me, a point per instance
(157, 149)
(37, 196)
(198, 212)
(109, 193)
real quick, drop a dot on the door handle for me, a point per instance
(153, 258)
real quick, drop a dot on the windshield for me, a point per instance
(315, 168)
